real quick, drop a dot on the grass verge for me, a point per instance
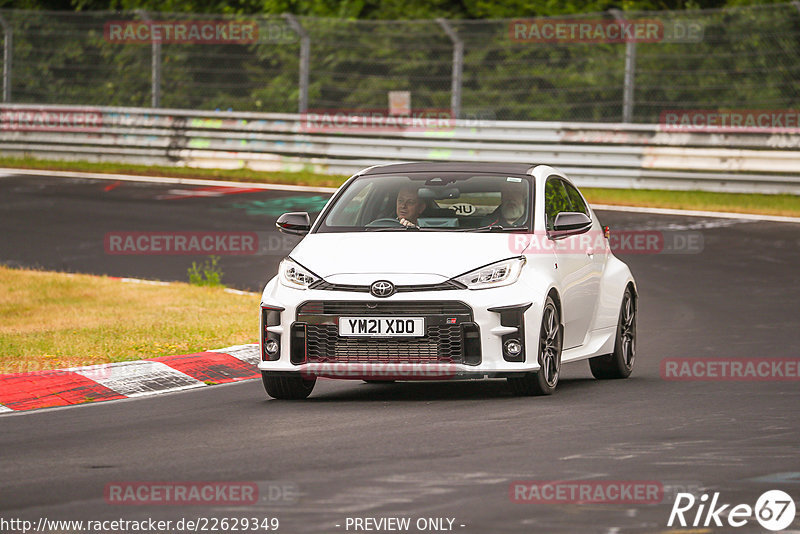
(787, 205)
(236, 175)
(56, 320)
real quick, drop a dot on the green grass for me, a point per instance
(788, 205)
(206, 274)
(55, 320)
(237, 175)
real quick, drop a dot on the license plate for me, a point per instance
(382, 326)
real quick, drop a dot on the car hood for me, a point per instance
(418, 257)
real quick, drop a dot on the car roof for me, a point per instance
(488, 168)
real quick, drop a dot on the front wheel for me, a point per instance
(287, 387)
(544, 381)
(619, 364)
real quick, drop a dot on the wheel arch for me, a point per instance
(616, 278)
(553, 293)
(632, 286)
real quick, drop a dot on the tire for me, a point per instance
(551, 336)
(619, 364)
(287, 387)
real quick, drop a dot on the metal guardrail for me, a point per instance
(594, 154)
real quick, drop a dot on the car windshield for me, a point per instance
(431, 202)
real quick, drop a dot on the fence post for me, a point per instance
(305, 59)
(630, 72)
(155, 66)
(8, 47)
(458, 65)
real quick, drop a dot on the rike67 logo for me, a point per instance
(774, 510)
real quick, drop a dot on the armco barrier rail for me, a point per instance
(593, 154)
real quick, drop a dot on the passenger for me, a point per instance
(511, 211)
(409, 206)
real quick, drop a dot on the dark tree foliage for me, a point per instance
(744, 58)
(380, 9)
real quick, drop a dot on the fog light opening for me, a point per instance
(271, 347)
(512, 347)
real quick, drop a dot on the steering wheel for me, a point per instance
(384, 222)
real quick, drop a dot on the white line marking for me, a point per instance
(167, 180)
(779, 478)
(695, 213)
(148, 282)
(162, 283)
(238, 292)
(4, 409)
(246, 353)
(137, 378)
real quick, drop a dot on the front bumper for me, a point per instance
(465, 333)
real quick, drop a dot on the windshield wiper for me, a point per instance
(498, 228)
(389, 228)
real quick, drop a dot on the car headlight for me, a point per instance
(501, 273)
(292, 274)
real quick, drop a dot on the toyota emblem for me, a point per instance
(382, 288)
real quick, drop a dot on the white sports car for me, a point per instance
(431, 271)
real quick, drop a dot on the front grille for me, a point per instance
(447, 325)
(383, 308)
(441, 344)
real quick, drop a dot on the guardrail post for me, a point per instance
(630, 71)
(458, 65)
(155, 66)
(305, 60)
(8, 48)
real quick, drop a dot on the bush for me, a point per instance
(207, 274)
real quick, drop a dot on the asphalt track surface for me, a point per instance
(418, 450)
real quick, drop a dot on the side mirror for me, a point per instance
(569, 223)
(294, 223)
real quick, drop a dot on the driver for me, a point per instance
(409, 206)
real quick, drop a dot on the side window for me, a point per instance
(575, 198)
(350, 208)
(556, 200)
